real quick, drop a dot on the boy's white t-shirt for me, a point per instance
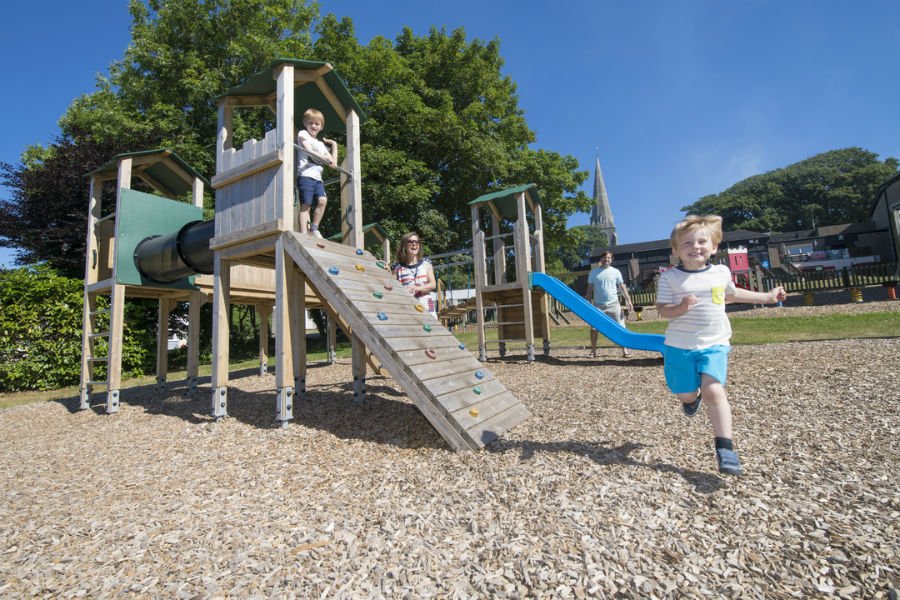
(305, 166)
(705, 324)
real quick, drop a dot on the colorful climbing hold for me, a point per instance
(420, 308)
(430, 353)
(321, 244)
(477, 389)
(380, 264)
(378, 295)
(426, 327)
(479, 374)
(388, 287)
(382, 316)
(360, 268)
(359, 252)
(462, 346)
(474, 412)
(334, 270)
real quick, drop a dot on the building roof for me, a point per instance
(664, 245)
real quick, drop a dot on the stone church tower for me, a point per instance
(601, 215)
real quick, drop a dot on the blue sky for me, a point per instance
(680, 98)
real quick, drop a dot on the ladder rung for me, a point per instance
(100, 334)
(100, 286)
(99, 359)
(111, 215)
(97, 382)
(102, 311)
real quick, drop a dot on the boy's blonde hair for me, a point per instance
(312, 113)
(711, 223)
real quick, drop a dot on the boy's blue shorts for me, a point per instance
(683, 368)
(310, 190)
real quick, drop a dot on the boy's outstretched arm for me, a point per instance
(746, 296)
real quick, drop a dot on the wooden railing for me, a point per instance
(246, 185)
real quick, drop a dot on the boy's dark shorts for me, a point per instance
(310, 190)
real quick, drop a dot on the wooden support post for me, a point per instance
(162, 344)
(523, 263)
(499, 249)
(539, 266)
(284, 362)
(197, 300)
(479, 263)
(91, 268)
(263, 311)
(117, 303)
(351, 187)
(220, 335)
(298, 325)
(114, 364)
(331, 337)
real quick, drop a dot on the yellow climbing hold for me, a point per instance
(474, 412)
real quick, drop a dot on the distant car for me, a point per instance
(177, 343)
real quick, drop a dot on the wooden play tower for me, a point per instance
(252, 238)
(516, 248)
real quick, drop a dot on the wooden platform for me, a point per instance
(458, 396)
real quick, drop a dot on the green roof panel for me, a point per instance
(306, 96)
(160, 171)
(505, 200)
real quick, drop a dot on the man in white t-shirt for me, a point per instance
(603, 286)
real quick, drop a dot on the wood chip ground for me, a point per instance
(608, 491)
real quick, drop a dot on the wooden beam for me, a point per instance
(260, 163)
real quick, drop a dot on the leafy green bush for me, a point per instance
(40, 331)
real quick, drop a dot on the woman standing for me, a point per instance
(414, 272)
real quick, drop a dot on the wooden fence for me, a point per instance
(808, 281)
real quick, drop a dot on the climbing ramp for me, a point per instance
(464, 402)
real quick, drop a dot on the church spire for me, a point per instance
(601, 215)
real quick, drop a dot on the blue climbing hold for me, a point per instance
(334, 270)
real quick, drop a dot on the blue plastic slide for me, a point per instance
(594, 316)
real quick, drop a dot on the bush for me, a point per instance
(40, 331)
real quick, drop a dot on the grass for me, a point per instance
(746, 331)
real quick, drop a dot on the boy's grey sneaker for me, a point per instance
(690, 409)
(729, 462)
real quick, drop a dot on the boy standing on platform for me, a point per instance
(312, 156)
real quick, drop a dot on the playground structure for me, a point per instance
(149, 246)
(521, 311)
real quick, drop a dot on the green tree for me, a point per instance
(161, 94)
(829, 189)
(40, 331)
(592, 237)
(443, 128)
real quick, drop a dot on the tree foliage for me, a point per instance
(183, 53)
(827, 189)
(40, 331)
(444, 127)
